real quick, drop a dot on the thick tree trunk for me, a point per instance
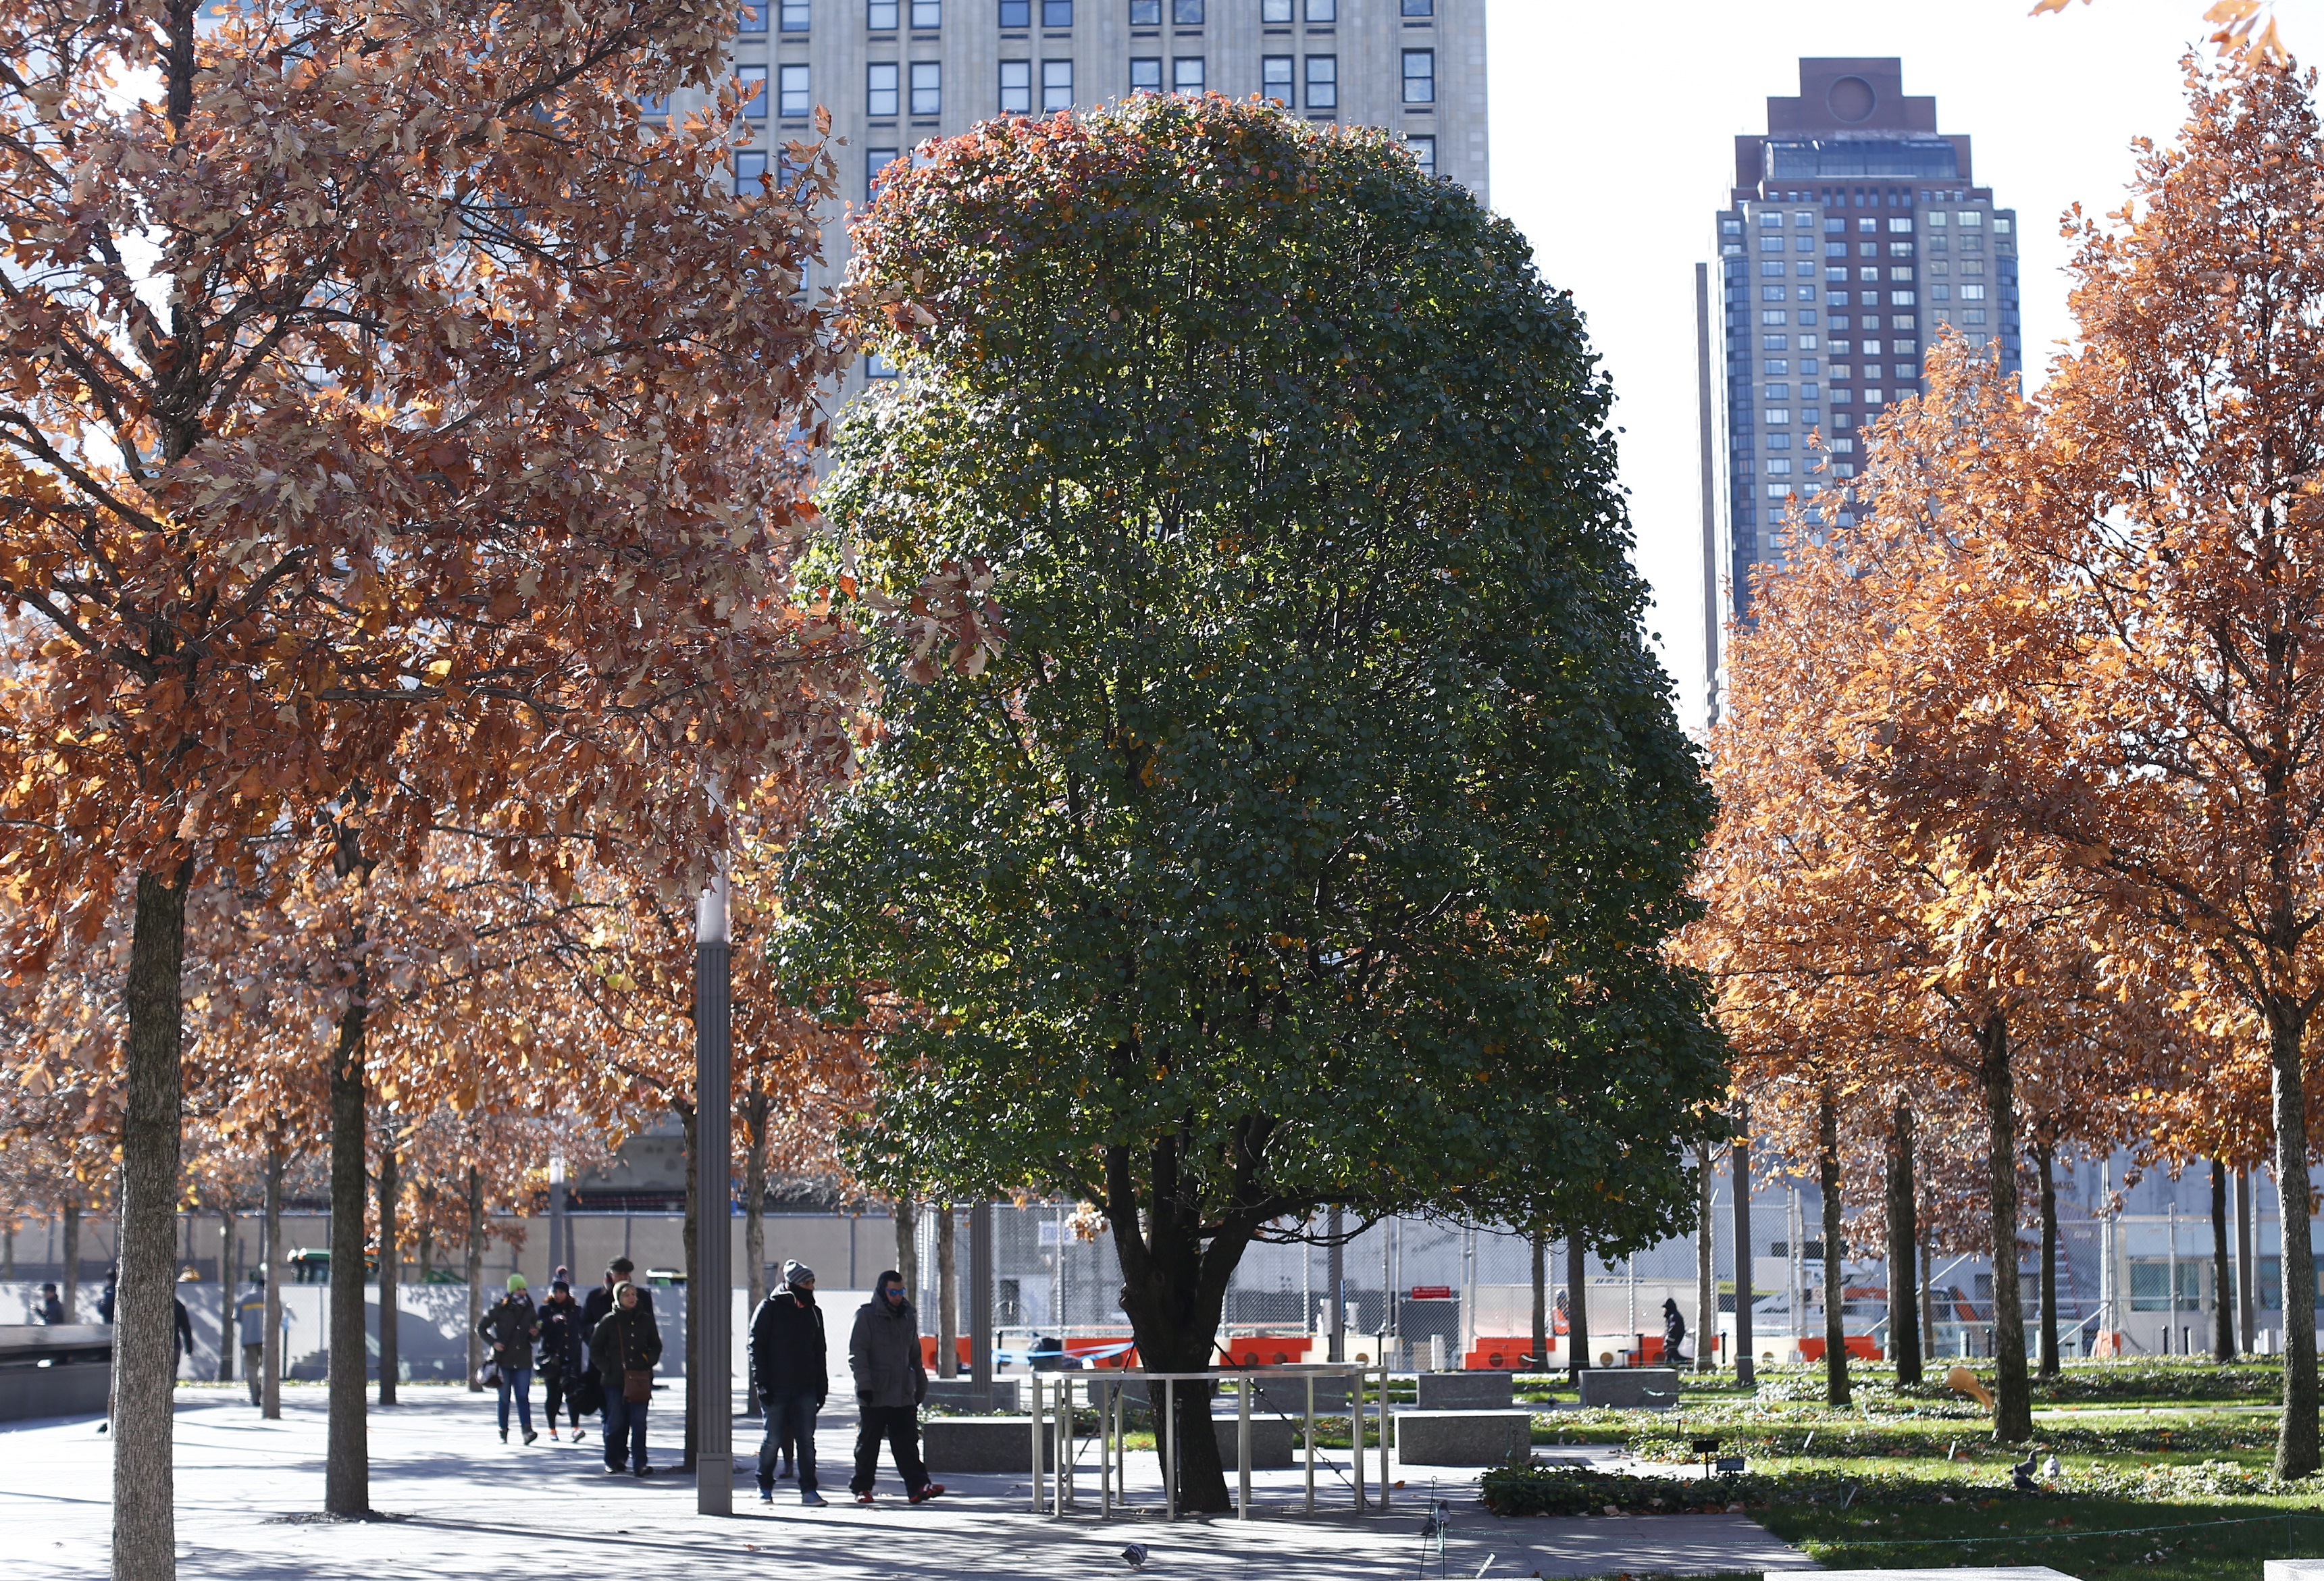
(390, 1267)
(269, 1387)
(2013, 1412)
(1577, 1306)
(1904, 1317)
(907, 1247)
(948, 1296)
(754, 1211)
(476, 1276)
(1541, 1300)
(1706, 1266)
(225, 1294)
(2223, 1306)
(1835, 1273)
(145, 1340)
(346, 1469)
(694, 1291)
(2045, 1159)
(2295, 1444)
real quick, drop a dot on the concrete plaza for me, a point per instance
(457, 1503)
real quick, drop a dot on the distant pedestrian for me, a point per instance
(563, 1377)
(105, 1296)
(250, 1318)
(789, 1359)
(511, 1325)
(52, 1311)
(890, 1381)
(625, 1347)
(1673, 1332)
(183, 1323)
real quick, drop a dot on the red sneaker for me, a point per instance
(863, 1498)
(926, 1492)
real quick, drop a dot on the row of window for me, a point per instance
(795, 16)
(1969, 218)
(885, 84)
(751, 165)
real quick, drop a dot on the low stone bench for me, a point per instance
(959, 1393)
(1274, 1443)
(998, 1444)
(59, 1370)
(1466, 1391)
(1289, 1396)
(1462, 1438)
(1630, 1388)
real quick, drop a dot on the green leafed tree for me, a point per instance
(1313, 833)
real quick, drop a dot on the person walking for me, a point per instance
(789, 1362)
(625, 1346)
(563, 1378)
(593, 1309)
(183, 1333)
(1673, 1332)
(883, 1352)
(511, 1327)
(250, 1318)
(52, 1311)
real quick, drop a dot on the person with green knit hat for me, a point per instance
(511, 1327)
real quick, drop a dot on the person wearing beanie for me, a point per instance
(511, 1327)
(791, 1374)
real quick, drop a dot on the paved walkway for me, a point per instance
(460, 1504)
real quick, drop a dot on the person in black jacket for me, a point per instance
(787, 1359)
(1673, 1332)
(594, 1312)
(511, 1325)
(626, 1343)
(562, 1374)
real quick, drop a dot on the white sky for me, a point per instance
(1613, 127)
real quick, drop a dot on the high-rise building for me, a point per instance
(1854, 234)
(894, 73)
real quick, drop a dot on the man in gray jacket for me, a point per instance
(890, 1381)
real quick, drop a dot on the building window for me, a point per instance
(1972, 218)
(1016, 87)
(1186, 76)
(1269, 11)
(753, 79)
(876, 366)
(1867, 227)
(1323, 82)
(1906, 225)
(1420, 7)
(1973, 293)
(1056, 85)
(1941, 293)
(1771, 293)
(1322, 12)
(798, 102)
(1424, 153)
(1779, 441)
(1837, 277)
(1186, 13)
(1804, 270)
(1774, 316)
(1841, 397)
(1868, 271)
(749, 172)
(928, 87)
(876, 161)
(882, 15)
(1056, 13)
(2000, 224)
(1274, 78)
(1936, 218)
(880, 81)
(1146, 75)
(1016, 13)
(1420, 77)
(752, 19)
(927, 14)
(1900, 272)
(1973, 315)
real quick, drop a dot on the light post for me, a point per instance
(710, 1306)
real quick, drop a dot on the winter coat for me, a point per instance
(787, 1352)
(1673, 1334)
(511, 1325)
(599, 1302)
(560, 1337)
(884, 1355)
(52, 1311)
(250, 1314)
(624, 1341)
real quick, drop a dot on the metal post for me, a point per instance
(1383, 1444)
(1356, 1430)
(1104, 1404)
(1311, 1443)
(711, 1305)
(980, 1312)
(560, 1229)
(1242, 1449)
(1040, 1467)
(1169, 1447)
(2173, 1324)
(1065, 1437)
(1739, 1166)
(1336, 1264)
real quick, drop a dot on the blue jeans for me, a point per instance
(625, 1420)
(790, 1420)
(521, 1381)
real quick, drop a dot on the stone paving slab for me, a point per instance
(460, 1504)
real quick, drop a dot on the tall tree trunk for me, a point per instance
(948, 1296)
(346, 1469)
(2013, 1412)
(1835, 1271)
(226, 1293)
(1903, 1320)
(687, 1120)
(391, 1266)
(2046, 1160)
(1706, 1265)
(269, 1387)
(72, 1260)
(1540, 1239)
(755, 1109)
(2246, 1297)
(1577, 1306)
(476, 1276)
(145, 1340)
(907, 1248)
(2223, 1306)
(2295, 1444)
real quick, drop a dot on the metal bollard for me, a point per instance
(1170, 1450)
(1311, 1443)
(1038, 1466)
(1385, 1483)
(1242, 1449)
